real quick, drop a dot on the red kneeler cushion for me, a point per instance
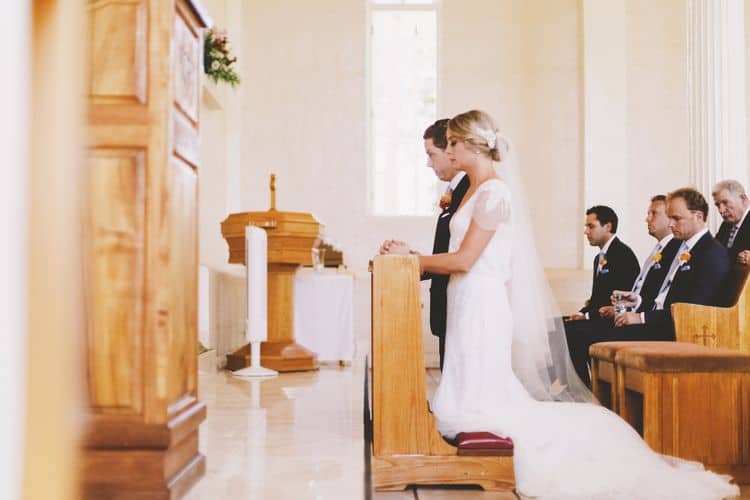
(483, 444)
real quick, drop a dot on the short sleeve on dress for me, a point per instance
(492, 207)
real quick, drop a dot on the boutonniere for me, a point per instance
(657, 260)
(445, 200)
(602, 266)
(684, 259)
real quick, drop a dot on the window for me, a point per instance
(403, 79)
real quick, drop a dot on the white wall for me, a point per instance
(14, 129)
(657, 118)
(221, 321)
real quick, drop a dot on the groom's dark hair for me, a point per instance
(604, 214)
(438, 132)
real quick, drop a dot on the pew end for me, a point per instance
(718, 326)
(407, 448)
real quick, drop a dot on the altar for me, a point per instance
(323, 319)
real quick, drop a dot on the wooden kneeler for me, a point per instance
(407, 447)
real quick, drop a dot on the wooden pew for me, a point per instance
(407, 448)
(713, 326)
(689, 401)
(689, 398)
(718, 326)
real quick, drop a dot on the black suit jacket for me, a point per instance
(655, 276)
(619, 273)
(699, 281)
(439, 285)
(741, 241)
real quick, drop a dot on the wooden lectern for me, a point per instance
(141, 261)
(407, 447)
(291, 237)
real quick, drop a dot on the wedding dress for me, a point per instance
(563, 450)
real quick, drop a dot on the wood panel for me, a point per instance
(117, 59)
(182, 284)
(142, 441)
(188, 52)
(701, 416)
(115, 281)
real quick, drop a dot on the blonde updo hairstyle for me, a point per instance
(472, 128)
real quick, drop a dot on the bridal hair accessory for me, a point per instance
(489, 136)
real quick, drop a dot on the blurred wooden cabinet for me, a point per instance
(144, 88)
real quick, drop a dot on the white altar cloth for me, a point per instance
(323, 306)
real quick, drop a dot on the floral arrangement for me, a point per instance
(218, 60)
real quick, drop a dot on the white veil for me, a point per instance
(540, 352)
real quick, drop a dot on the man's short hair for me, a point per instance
(438, 132)
(731, 185)
(693, 199)
(659, 197)
(604, 214)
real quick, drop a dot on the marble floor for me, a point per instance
(297, 436)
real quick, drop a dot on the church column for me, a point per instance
(716, 92)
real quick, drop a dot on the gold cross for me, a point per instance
(705, 336)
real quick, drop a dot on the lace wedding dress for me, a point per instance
(562, 450)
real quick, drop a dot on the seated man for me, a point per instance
(615, 266)
(648, 282)
(695, 276)
(734, 234)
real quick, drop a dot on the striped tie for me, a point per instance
(645, 269)
(733, 235)
(676, 263)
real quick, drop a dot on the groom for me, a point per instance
(435, 142)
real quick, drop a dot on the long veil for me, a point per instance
(540, 351)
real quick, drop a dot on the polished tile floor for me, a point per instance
(297, 436)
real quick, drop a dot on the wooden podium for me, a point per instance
(141, 249)
(291, 237)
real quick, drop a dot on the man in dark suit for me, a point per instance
(615, 266)
(435, 142)
(695, 276)
(646, 284)
(733, 205)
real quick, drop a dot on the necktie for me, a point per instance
(733, 235)
(676, 263)
(645, 269)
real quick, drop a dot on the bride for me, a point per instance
(507, 368)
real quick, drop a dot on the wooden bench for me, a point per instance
(689, 401)
(713, 326)
(407, 448)
(718, 326)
